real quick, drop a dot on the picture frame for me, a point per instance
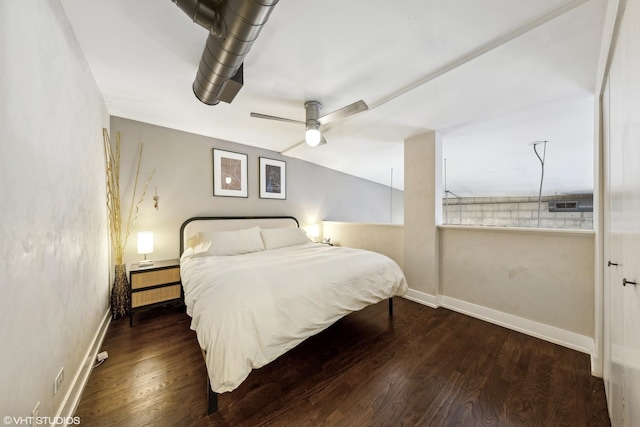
(229, 174)
(273, 179)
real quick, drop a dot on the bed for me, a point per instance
(255, 287)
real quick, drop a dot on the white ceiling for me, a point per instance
(491, 76)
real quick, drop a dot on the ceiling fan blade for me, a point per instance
(344, 112)
(280, 119)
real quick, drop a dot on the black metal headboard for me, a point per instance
(227, 223)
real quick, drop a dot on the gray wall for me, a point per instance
(184, 182)
(53, 235)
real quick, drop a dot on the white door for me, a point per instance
(613, 318)
(621, 127)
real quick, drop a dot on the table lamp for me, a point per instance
(145, 246)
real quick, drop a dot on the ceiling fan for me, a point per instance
(313, 121)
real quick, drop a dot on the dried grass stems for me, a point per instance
(118, 240)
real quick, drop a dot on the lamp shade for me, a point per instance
(313, 231)
(145, 242)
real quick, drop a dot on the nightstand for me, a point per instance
(154, 285)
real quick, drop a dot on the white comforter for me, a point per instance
(249, 309)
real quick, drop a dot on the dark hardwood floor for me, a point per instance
(422, 367)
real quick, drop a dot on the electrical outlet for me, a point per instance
(34, 414)
(58, 381)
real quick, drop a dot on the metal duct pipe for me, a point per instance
(233, 27)
(204, 13)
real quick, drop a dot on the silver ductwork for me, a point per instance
(233, 27)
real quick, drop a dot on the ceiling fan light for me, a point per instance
(312, 137)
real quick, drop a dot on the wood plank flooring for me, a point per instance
(422, 367)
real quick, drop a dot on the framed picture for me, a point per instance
(229, 174)
(273, 179)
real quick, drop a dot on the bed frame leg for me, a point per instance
(391, 306)
(212, 399)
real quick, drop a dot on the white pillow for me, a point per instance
(274, 238)
(223, 243)
(197, 244)
(193, 240)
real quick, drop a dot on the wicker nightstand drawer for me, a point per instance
(154, 285)
(155, 277)
(154, 296)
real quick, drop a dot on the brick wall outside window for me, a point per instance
(513, 212)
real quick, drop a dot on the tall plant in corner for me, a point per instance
(118, 234)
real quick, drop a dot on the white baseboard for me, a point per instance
(72, 398)
(552, 334)
(422, 298)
